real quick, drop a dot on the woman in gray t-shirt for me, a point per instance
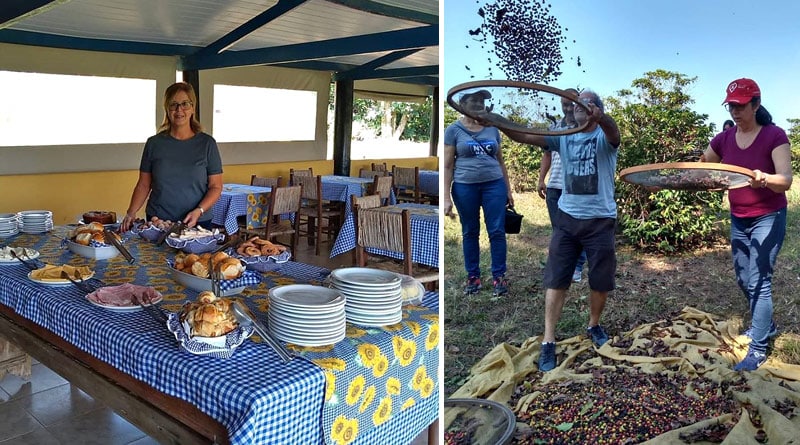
(180, 175)
(475, 175)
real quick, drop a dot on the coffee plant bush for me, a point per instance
(657, 125)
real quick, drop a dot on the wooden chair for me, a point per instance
(263, 181)
(364, 173)
(379, 167)
(296, 173)
(315, 217)
(382, 186)
(284, 200)
(362, 202)
(406, 183)
(390, 231)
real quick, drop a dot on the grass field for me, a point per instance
(649, 288)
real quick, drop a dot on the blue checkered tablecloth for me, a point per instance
(339, 188)
(429, 182)
(259, 399)
(424, 234)
(241, 200)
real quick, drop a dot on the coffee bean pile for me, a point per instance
(620, 406)
(525, 38)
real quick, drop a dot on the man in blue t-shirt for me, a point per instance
(585, 220)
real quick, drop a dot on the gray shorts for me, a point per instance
(571, 235)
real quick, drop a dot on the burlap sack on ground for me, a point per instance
(708, 347)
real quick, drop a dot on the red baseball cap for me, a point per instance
(741, 91)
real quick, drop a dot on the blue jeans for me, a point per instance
(468, 199)
(755, 243)
(551, 199)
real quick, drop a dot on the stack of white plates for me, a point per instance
(9, 225)
(35, 221)
(306, 315)
(374, 297)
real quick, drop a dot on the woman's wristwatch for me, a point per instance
(201, 210)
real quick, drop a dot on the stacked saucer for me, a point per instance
(306, 315)
(35, 221)
(9, 225)
(374, 297)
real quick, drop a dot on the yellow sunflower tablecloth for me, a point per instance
(393, 368)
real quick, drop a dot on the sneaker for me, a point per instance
(577, 276)
(751, 361)
(500, 286)
(773, 331)
(597, 334)
(547, 357)
(473, 286)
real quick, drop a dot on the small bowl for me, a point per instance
(195, 245)
(150, 234)
(95, 253)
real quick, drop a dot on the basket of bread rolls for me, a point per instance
(195, 240)
(207, 326)
(88, 240)
(192, 270)
(256, 250)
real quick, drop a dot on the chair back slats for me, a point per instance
(262, 181)
(383, 187)
(285, 200)
(364, 173)
(298, 173)
(365, 202)
(312, 186)
(382, 230)
(379, 166)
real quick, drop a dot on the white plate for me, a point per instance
(375, 321)
(95, 253)
(362, 276)
(300, 331)
(328, 323)
(365, 290)
(313, 317)
(305, 296)
(368, 312)
(130, 307)
(374, 301)
(5, 261)
(55, 282)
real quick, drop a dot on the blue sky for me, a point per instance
(619, 40)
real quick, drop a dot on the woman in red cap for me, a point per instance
(758, 212)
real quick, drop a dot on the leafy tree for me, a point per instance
(794, 139)
(657, 125)
(395, 120)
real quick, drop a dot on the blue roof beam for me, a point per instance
(390, 11)
(395, 73)
(103, 45)
(386, 41)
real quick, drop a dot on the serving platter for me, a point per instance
(362, 276)
(689, 176)
(55, 281)
(32, 254)
(130, 289)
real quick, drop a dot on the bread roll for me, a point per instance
(83, 238)
(98, 236)
(199, 269)
(190, 259)
(206, 296)
(231, 269)
(218, 257)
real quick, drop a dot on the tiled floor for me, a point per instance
(48, 410)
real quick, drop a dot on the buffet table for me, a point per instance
(336, 395)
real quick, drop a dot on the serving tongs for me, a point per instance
(111, 239)
(146, 303)
(82, 285)
(242, 315)
(28, 264)
(175, 228)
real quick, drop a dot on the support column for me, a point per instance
(342, 127)
(434, 146)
